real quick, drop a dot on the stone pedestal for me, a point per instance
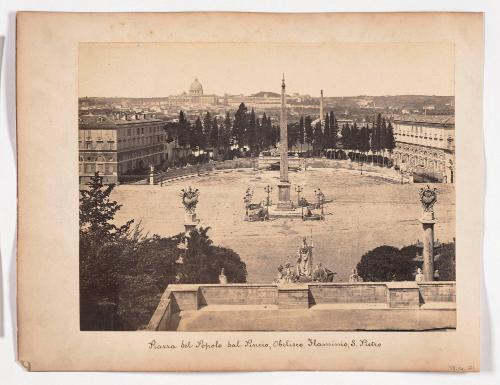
(222, 279)
(284, 202)
(294, 296)
(190, 222)
(403, 295)
(428, 223)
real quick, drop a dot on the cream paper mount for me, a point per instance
(107, 89)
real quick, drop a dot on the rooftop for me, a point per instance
(433, 119)
(104, 121)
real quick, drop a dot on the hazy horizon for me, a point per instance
(150, 70)
(290, 95)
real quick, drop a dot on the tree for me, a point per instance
(197, 137)
(318, 143)
(327, 132)
(445, 262)
(354, 137)
(376, 145)
(301, 132)
(346, 137)
(214, 138)
(183, 137)
(146, 266)
(251, 132)
(207, 128)
(293, 134)
(308, 130)
(240, 125)
(99, 248)
(123, 273)
(364, 139)
(259, 135)
(276, 134)
(390, 143)
(269, 138)
(203, 261)
(97, 212)
(385, 264)
(225, 136)
(334, 127)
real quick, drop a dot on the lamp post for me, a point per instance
(298, 190)
(321, 198)
(268, 189)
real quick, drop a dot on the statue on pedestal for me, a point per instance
(222, 277)
(288, 275)
(303, 271)
(354, 277)
(419, 277)
(322, 274)
(304, 260)
(280, 277)
(190, 200)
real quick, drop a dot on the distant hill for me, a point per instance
(261, 94)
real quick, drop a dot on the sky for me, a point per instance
(340, 69)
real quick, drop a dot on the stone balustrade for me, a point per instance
(357, 296)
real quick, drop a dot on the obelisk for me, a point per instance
(284, 202)
(321, 116)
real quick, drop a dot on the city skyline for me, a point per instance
(340, 69)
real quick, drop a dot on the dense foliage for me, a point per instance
(123, 272)
(387, 263)
(247, 131)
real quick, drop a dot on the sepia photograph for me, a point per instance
(254, 191)
(267, 186)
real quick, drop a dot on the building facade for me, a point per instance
(117, 146)
(194, 97)
(425, 145)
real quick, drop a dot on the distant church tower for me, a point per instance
(321, 113)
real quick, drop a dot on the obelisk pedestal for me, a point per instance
(428, 223)
(284, 202)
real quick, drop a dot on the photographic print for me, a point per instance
(253, 191)
(267, 187)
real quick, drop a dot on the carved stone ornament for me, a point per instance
(189, 199)
(428, 197)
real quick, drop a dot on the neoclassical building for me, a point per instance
(196, 89)
(119, 144)
(194, 97)
(425, 145)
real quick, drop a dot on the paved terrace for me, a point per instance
(314, 306)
